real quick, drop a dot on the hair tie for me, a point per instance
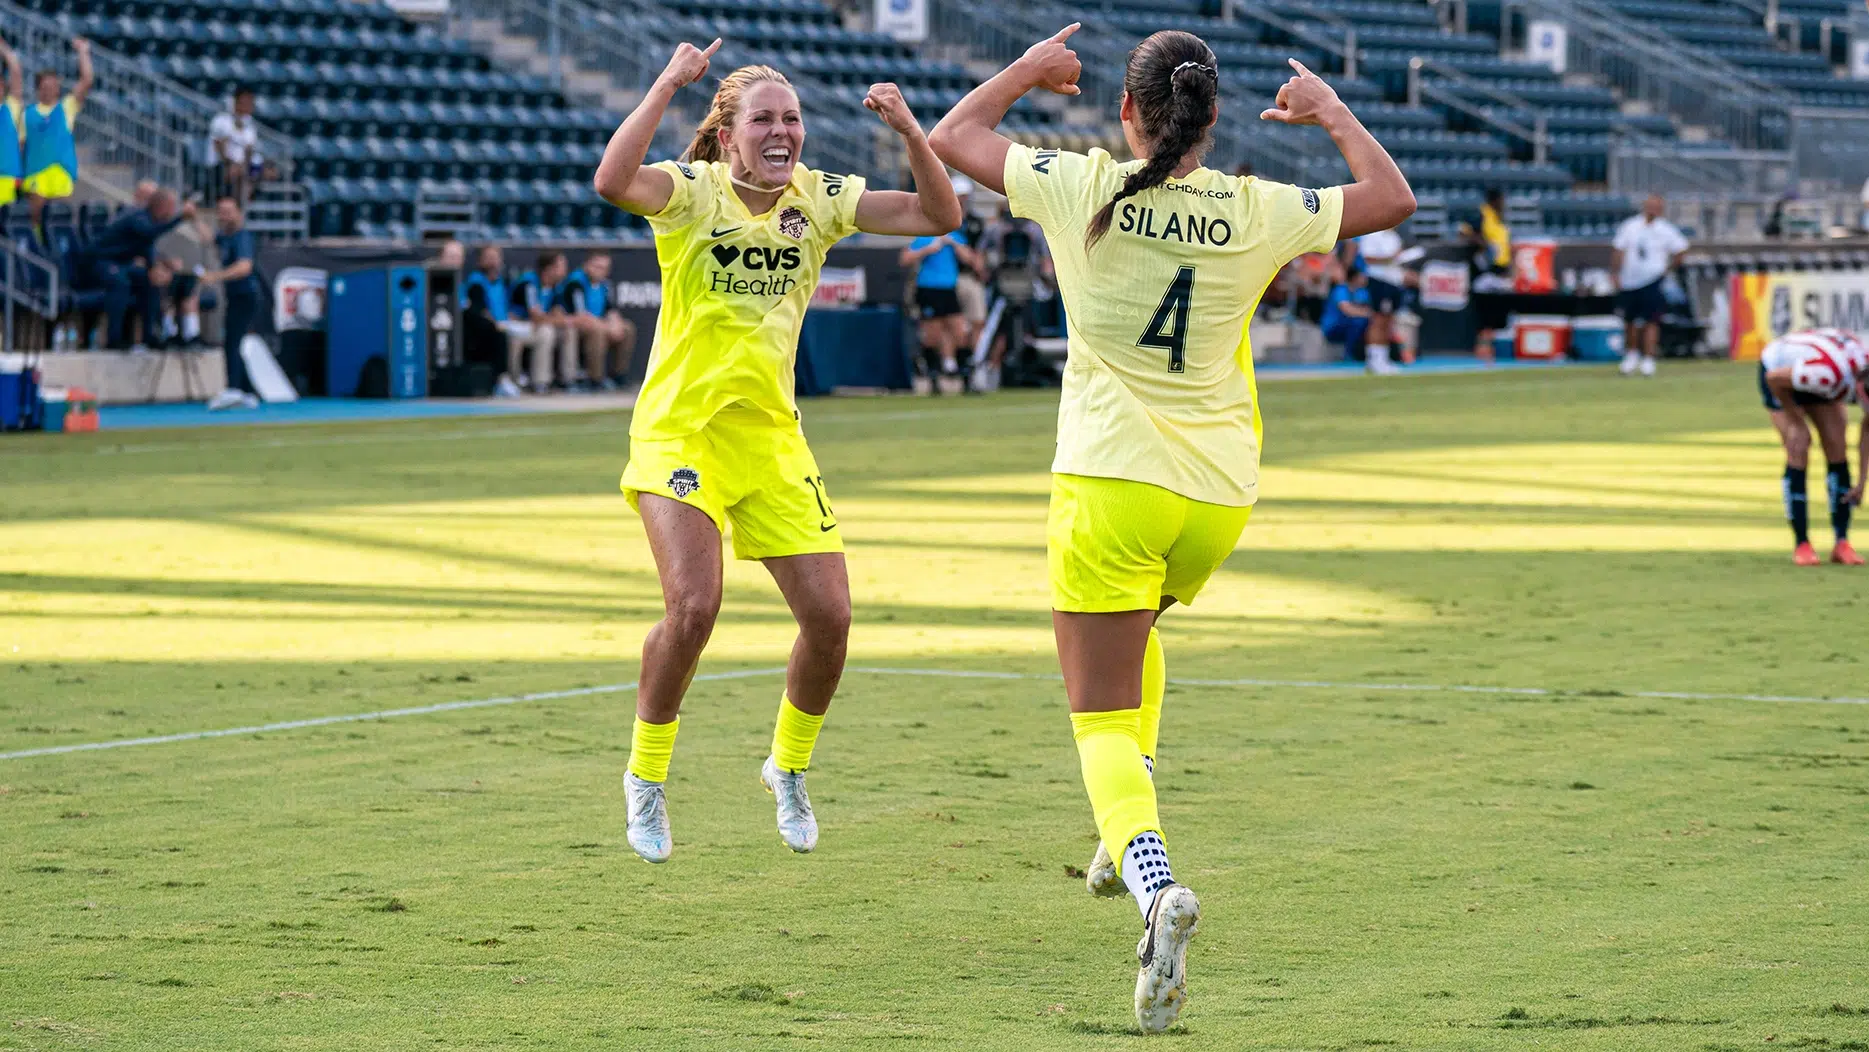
(1202, 66)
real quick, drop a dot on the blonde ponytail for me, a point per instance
(726, 109)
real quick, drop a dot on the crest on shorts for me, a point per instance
(684, 481)
(1310, 200)
(792, 223)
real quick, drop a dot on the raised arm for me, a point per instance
(1380, 197)
(15, 74)
(932, 208)
(621, 179)
(966, 138)
(82, 89)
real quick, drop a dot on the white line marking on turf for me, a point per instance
(944, 673)
(359, 717)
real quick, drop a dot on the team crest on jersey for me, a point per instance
(1310, 200)
(684, 481)
(792, 223)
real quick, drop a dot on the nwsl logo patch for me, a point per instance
(792, 223)
(684, 481)
(1310, 200)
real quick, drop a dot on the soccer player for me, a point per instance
(12, 156)
(1161, 262)
(742, 229)
(51, 151)
(1805, 380)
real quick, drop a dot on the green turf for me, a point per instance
(1577, 870)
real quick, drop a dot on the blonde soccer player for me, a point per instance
(1160, 262)
(741, 231)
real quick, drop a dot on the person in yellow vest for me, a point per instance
(12, 159)
(1161, 262)
(1491, 271)
(51, 162)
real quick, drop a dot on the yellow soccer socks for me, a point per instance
(1122, 798)
(793, 737)
(651, 745)
(1154, 685)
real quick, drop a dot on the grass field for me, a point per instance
(1586, 868)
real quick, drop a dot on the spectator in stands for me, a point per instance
(117, 261)
(943, 327)
(240, 296)
(12, 155)
(1646, 249)
(234, 146)
(537, 303)
(143, 192)
(51, 162)
(607, 338)
(1491, 266)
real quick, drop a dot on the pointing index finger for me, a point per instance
(711, 48)
(1061, 35)
(1299, 66)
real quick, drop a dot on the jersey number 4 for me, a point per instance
(1168, 329)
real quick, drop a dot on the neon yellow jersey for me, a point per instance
(1158, 386)
(734, 290)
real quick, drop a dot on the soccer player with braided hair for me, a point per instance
(1161, 263)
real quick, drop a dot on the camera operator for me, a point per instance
(1020, 275)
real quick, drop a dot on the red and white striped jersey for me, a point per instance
(1823, 362)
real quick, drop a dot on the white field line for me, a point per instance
(619, 688)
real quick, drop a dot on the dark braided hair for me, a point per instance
(1173, 78)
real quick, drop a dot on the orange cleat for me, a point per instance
(1805, 555)
(1845, 554)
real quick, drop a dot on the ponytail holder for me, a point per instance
(1202, 66)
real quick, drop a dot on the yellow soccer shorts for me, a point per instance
(51, 181)
(9, 189)
(1116, 545)
(758, 482)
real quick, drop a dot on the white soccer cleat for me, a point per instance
(1162, 983)
(1101, 877)
(648, 819)
(1648, 366)
(798, 827)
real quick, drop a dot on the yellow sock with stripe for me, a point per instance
(1154, 685)
(651, 745)
(1121, 795)
(794, 736)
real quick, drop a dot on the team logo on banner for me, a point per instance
(1763, 307)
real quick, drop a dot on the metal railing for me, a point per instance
(32, 285)
(1538, 136)
(149, 124)
(628, 40)
(1830, 148)
(1640, 163)
(1643, 63)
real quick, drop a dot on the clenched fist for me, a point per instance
(885, 100)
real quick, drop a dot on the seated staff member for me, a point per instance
(1805, 380)
(542, 326)
(487, 328)
(607, 338)
(1388, 292)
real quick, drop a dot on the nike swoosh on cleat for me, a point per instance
(723, 233)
